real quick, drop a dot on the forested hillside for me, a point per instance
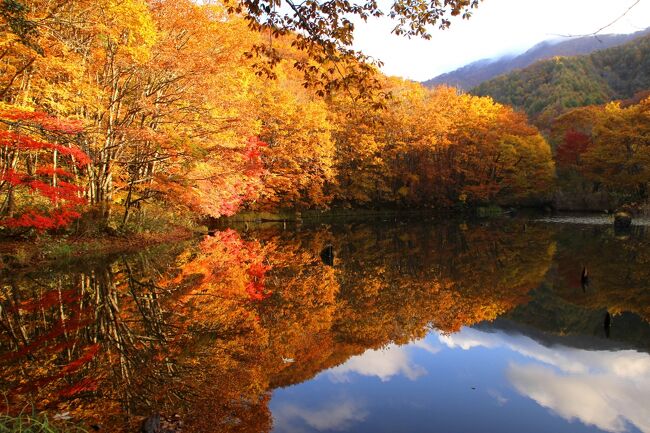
(547, 88)
(475, 73)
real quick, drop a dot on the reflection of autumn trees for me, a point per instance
(84, 334)
(128, 336)
(220, 343)
(207, 331)
(619, 270)
(492, 269)
(394, 283)
(447, 277)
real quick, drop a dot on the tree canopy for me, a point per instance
(325, 31)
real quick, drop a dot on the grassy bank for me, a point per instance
(35, 424)
(90, 237)
(45, 248)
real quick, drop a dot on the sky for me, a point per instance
(496, 28)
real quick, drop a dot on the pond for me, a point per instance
(504, 325)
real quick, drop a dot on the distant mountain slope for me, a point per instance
(475, 73)
(549, 87)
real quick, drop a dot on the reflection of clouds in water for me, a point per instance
(601, 388)
(500, 399)
(422, 344)
(623, 363)
(335, 416)
(384, 363)
(603, 400)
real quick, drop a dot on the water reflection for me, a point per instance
(382, 363)
(602, 388)
(209, 329)
(333, 416)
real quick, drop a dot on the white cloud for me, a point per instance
(500, 399)
(602, 400)
(607, 389)
(624, 363)
(337, 416)
(422, 344)
(384, 364)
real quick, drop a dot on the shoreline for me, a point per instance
(19, 254)
(23, 253)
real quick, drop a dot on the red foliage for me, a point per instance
(43, 120)
(58, 329)
(225, 252)
(253, 152)
(221, 185)
(256, 287)
(86, 384)
(49, 170)
(88, 355)
(41, 221)
(47, 181)
(25, 142)
(12, 177)
(574, 145)
(50, 298)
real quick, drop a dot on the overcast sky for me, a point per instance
(497, 27)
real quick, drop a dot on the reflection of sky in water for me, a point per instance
(606, 220)
(473, 381)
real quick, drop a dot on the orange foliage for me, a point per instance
(167, 96)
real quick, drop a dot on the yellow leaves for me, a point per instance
(170, 99)
(432, 147)
(620, 152)
(127, 26)
(300, 155)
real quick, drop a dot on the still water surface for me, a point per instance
(416, 327)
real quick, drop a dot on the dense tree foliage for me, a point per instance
(605, 147)
(40, 164)
(170, 108)
(599, 148)
(439, 148)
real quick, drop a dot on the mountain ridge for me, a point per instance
(477, 72)
(549, 87)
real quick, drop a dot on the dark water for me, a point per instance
(416, 327)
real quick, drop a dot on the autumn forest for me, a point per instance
(222, 216)
(112, 109)
(116, 111)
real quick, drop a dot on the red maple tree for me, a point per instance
(39, 168)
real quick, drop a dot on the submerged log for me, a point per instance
(327, 255)
(584, 278)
